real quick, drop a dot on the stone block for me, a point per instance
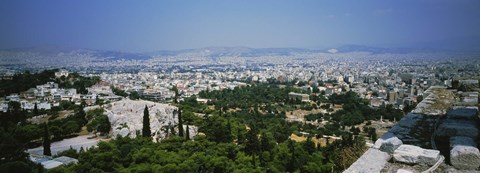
(388, 143)
(410, 154)
(372, 160)
(464, 154)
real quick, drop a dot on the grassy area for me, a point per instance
(319, 142)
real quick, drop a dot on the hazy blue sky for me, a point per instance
(180, 24)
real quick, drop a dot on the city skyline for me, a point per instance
(173, 25)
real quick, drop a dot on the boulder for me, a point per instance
(388, 143)
(464, 154)
(124, 132)
(411, 154)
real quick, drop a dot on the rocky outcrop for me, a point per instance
(411, 154)
(464, 154)
(126, 117)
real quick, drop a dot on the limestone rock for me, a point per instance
(371, 161)
(124, 132)
(126, 117)
(410, 154)
(464, 154)
(388, 143)
(404, 171)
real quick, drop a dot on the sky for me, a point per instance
(143, 26)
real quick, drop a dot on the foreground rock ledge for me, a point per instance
(372, 161)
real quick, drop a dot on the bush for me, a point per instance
(17, 167)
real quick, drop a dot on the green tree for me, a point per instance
(187, 133)
(252, 146)
(146, 123)
(46, 141)
(134, 95)
(309, 145)
(35, 109)
(177, 94)
(105, 125)
(57, 132)
(180, 123)
(17, 167)
(70, 127)
(292, 163)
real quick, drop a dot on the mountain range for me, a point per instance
(467, 44)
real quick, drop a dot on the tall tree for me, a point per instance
(180, 122)
(35, 109)
(146, 123)
(292, 165)
(309, 145)
(229, 137)
(252, 145)
(187, 133)
(46, 141)
(175, 89)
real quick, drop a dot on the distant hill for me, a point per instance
(468, 44)
(233, 51)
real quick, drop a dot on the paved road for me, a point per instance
(75, 143)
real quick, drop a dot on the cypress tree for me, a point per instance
(175, 89)
(146, 123)
(46, 141)
(35, 109)
(172, 130)
(309, 145)
(180, 123)
(229, 137)
(253, 144)
(187, 133)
